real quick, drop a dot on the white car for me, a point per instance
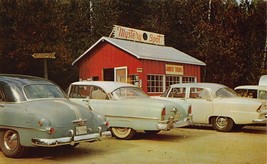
(255, 91)
(128, 109)
(218, 105)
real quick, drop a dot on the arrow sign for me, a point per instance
(44, 55)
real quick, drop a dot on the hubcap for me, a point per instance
(122, 130)
(10, 140)
(221, 121)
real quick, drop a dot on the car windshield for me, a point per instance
(226, 93)
(128, 92)
(37, 91)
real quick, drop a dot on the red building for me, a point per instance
(151, 67)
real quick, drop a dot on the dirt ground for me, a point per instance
(193, 145)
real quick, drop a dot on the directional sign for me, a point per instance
(44, 55)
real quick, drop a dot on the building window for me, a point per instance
(189, 79)
(172, 80)
(133, 79)
(155, 83)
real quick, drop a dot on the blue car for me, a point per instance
(36, 112)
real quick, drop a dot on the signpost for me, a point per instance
(44, 56)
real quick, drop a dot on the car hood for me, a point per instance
(61, 112)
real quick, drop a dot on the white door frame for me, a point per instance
(121, 68)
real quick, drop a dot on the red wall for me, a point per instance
(105, 55)
(158, 67)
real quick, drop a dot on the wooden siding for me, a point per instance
(104, 56)
(158, 68)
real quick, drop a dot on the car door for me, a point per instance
(92, 97)
(201, 101)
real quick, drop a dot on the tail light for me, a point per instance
(189, 111)
(163, 114)
(40, 123)
(51, 130)
(107, 124)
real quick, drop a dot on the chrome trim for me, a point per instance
(106, 134)
(260, 120)
(65, 140)
(170, 124)
(80, 121)
(127, 117)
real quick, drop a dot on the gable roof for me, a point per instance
(148, 51)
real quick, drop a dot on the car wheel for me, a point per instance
(123, 133)
(152, 132)
(222, 124)
(10, 144)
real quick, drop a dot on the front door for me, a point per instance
(121, 74)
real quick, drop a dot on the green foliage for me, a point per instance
(230, 38)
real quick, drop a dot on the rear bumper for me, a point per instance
(167, 125)
(182, 123)
(71, 140)
(260, 120)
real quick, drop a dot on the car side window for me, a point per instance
(177, 93)
(2, 96)
(79, 91)
(199, 93)
(262, 94)
(98, 93)
(250, 93)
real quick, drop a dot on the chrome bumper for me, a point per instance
(106, 134)
(260, 120)
(70, 140)
(167, 125)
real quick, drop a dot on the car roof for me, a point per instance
(22, 79)
(213, 86)
(263, 80)
(256, 87)
(247, 87)
(108, 86)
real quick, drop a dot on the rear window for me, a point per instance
(251, 93)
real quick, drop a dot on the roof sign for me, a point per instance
(121, 32)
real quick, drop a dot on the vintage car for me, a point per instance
(252, 91)
(217, 104)
(36, 112)
(255, 91)
(128, 109)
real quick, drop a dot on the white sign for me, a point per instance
(174, 69)
(121, 32)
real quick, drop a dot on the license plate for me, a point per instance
(177, 117)
(81, 130)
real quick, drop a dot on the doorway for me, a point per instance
(108, 74)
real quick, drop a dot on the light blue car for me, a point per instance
(128, 109)
(36, 112)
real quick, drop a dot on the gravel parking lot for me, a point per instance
(191, 145)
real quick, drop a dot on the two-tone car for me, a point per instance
(217, 104)
(36, 112)
(128, 109)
